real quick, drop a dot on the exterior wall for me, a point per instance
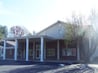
(53, 45)
(56, 31)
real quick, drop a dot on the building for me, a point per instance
(47, 45)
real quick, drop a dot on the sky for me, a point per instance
(36, 15)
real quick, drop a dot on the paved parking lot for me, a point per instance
(43, 69)
(47, 68)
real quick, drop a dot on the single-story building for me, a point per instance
(47, 45)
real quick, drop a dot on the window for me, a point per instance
(30, 52)
(10, 51)
(69, 52)
(51, 52)
(37, 46)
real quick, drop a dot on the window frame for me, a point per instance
(65, 52)
(51, 52)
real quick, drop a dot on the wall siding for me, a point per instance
(57, 31)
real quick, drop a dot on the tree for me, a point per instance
(18, 31)
(89, 44)
(3, 31)
(84, 36)
(73, 27)
(74, 31)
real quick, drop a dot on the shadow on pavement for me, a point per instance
(11, 62)
(35, 69)
(82, 68)
(40, 67)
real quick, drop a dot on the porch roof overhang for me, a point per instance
(30, 37)
(9, 44)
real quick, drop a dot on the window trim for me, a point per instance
(51, 54)
(65, 52)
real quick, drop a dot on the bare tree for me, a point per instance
(75, 32)
(84, 35)
(18, 31)
(89, 44)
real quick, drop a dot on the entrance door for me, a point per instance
(37, 51)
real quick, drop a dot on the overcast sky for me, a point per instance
(38, 14)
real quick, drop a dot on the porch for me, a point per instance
(41, 48)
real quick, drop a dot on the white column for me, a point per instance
(58, 50)
(16, 48)
(4, 50)
(78, 52)
(27, 49)
(42, 50)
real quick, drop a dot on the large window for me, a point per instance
(10, 52)
(37, 46)
(69, 52)
(51, 52)
(30, 52)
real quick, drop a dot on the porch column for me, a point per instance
(78, 53)
(16, 48)
(58, 50)
(42, 50)
(27, 49)
(4, 50)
